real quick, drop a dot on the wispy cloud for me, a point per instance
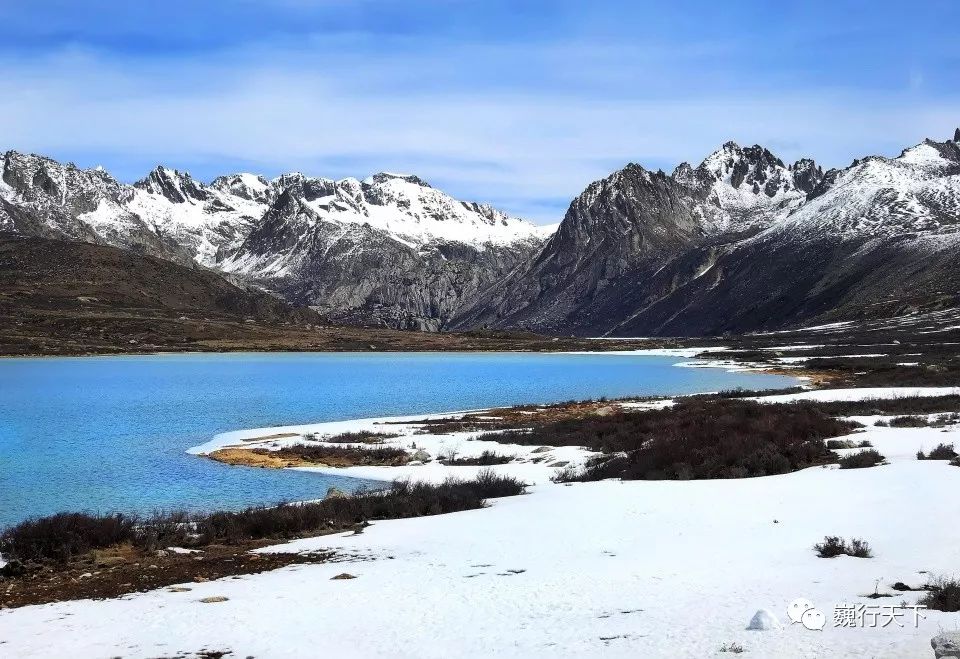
(525, 123)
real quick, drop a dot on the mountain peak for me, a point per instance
(178, 187)
(384, 177)
(956, 135)
(806, 175)
(246, 186)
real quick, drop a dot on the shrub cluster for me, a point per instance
(908, 422)
(485, 459)
(61, 537)
(740, 392)
(943, 595)
(833, 545)
(887, 406)
(861, 459)
(941, 452)
(834, 444)
(871, 372)
(358, 437)
(696, 439)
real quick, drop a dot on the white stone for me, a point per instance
(764, 620)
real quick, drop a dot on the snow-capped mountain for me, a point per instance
(746, 188)
(919, 191)
(283, 233)
(742, 242)
(388, 249)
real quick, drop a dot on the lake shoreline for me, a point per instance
(587, 538)
(152, 409)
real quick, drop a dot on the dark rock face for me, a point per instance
(806, 175)
(175, 186)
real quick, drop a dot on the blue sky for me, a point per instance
(517, 103)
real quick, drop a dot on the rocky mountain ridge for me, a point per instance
(387, 250)
(741, 242)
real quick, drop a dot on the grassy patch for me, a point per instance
(833, 545)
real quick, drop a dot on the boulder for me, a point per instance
(764, 620)
(336, 493)
(420, 456)
(13, 569)
(946, 644)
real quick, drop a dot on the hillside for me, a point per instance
(66, 298)
(742, 243)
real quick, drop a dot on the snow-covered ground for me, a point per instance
(632, 569)
(532, 464)
(861, 393)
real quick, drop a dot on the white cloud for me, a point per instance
(334, 113)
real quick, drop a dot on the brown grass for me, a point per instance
(309, 455)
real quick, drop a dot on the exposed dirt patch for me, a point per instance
(123, 570)
(254, 458)
(304, 455)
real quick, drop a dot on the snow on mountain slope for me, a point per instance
(210, 221)
(740, 243)
(412, 212)
(42, 197)
(919, 191)
(744, 188)
(390, 249)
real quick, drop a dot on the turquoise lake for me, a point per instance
(110, 433)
